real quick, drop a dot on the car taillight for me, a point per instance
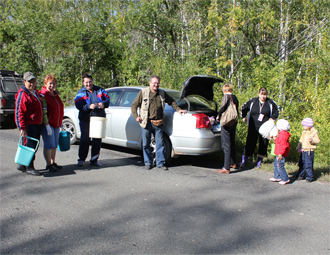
(202, 120)
(3, 103)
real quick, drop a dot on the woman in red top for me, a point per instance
(53, 112)
(28, 116)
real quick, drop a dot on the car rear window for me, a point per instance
(9, 85)
(195, 103)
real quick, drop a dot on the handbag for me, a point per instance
(229, 117)
(157, 122)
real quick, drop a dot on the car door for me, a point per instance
(115, 95)
(126, 131)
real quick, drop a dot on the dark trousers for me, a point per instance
(33, 131)
(84, 143)
(251, 142)
(306, 164)
(228, 145)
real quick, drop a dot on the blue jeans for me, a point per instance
(279, 170)
(306, 163)
(147, 152)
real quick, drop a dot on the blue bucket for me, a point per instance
(64, 141)
(25, 154)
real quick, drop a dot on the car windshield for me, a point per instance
(195, 103)
(9, 85)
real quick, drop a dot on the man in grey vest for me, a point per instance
(151, 102)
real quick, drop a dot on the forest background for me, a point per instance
(281, 45)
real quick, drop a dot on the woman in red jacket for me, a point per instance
(53, 112)
(28, 116)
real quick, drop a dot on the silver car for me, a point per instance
(190, 134)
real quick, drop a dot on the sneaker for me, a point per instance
(57, 166)
(51, 168)
(163, 167)
(308, 181)
(283, 182)
(147, 167)
(81, 162)
(274, 179)
(21, 168)
(32, 171)
(96, 163)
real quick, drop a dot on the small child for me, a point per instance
(307, 144)
(282, 148)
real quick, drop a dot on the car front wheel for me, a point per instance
(67, 125)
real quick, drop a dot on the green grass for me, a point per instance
(321, 170)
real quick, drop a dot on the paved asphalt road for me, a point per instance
(122, 208)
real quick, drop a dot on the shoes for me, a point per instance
(51, 168)
(308, 181)
(21, 168)
(300, 178)
(147, 167)
(223, 171)
(96, 163)
(274, 179)
(32, 171)
(81, 162)
(244, 161)
(163, 167)
(283, 182)
(259, 162)
(234, 166)
(57, 166)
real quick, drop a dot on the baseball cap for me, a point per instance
(28, 76)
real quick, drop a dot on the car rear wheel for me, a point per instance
(67, 125)
(167, 148)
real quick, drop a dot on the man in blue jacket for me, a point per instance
(90, 101)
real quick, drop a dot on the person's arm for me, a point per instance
(245, 108)
(21, 111)
(223, 106)
(105, 99)
(315, 139)
(44, 109)
(82, 101)
(135, 105)
(275, 110)
(170, 101)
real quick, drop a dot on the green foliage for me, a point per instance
(281, 45)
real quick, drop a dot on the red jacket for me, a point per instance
(28, 108)
(282, 145)
(55, 108)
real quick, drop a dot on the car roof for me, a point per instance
(201, 85)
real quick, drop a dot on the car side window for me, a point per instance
(113, 97)
(128, 98)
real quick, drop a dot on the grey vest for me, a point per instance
(144, 109)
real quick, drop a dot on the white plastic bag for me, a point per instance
(268, 129)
